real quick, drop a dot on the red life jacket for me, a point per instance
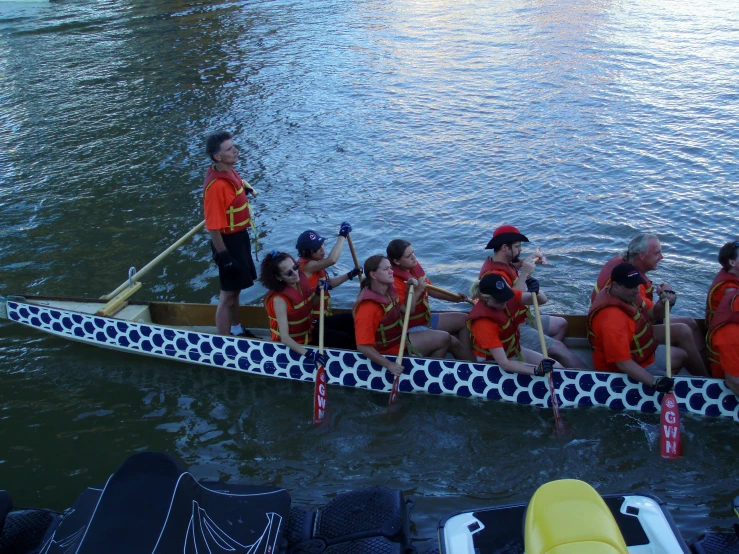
(313, 280)
(723, 280)
(727, 312)
(643, 344)
(238, 213)
(390, 330)
(299, 307)
(509, 333)
(521, 313)
(604, 279)
(421, 314)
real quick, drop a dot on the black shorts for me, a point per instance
(239, 246)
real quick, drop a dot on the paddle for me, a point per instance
(396, 381)
(320, 394)
(459, 297)
(354, 257)
(670, 442)
(552, 390)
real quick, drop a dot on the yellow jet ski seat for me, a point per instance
(570, 517)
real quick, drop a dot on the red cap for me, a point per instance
(505, 234)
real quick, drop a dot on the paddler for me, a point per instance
(405, 267)
(645, 252)
(723, 340)
(227, 218)
(289, 302)
(505, 261)
(620, 329)
(378, 320)
(726, 278)
(313, 262)
(495, 328)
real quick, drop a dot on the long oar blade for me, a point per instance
(670, 441)
(320, 393)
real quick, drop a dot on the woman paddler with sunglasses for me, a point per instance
(289, 304)
(378, 320)
(405, 267)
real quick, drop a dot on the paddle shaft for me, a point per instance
(552, 390)
(320, 393)
(459, 297)
(668, 358)
(155, 261)
(406, 318)
(354, 256)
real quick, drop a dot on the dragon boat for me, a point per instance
(185, 332)
(153, 504)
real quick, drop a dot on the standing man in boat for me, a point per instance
(645, 252)
(227, 218)
(620, 329)
(506, 247)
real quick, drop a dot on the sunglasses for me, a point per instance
(289, 272)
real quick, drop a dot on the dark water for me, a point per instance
(581, 122)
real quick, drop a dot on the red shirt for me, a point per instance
(486, 332)
(366, 322)
(614, 330)
(726, 342)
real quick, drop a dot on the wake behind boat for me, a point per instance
(185, 332)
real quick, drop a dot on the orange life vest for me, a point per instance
(313, 280)
(521, 313)
(722, 281)
(299, 307)
(604, 279)
(238, 214)
(643, 343)
(421, 314)
(390, 330)
(509, 333)
(727, 312)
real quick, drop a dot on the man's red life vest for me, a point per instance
(238, 214)
(299, 302)
(421, 314)
(643, 344)
(604, 279)
(722, 281)
(390, 330)
(320, 275)
(521, 313)
(727, 312)
(509, 333)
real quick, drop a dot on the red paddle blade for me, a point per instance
(670, 442)
(394, 392)
(319, 398)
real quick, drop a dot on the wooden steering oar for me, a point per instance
(320, 395)
(552, 391)
(670, 441)
(459, 297)
(396, 381)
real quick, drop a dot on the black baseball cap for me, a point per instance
(627, 276)
(496, 286)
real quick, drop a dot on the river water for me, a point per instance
(581, 122)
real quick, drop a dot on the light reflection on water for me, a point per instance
(582, 123)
